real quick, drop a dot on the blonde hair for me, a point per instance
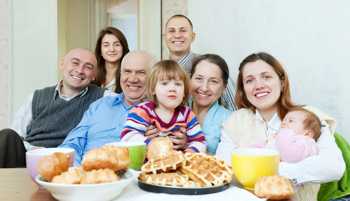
(166, 70)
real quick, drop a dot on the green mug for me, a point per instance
(137, 153)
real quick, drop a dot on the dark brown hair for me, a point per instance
(166, 70)
(311, 121)
(101, 62)
(284, 103)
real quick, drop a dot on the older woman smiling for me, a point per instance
(209, 76)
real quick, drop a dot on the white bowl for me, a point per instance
(87, 192)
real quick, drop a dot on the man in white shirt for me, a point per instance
(50, 113)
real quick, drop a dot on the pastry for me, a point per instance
(99, 176)
(159, 147)
(274, 188)
(52, 165)
(77, 175)
(72, 176)
(108, 156)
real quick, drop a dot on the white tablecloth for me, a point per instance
(134, 193)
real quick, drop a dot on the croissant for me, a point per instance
(274, 188)
(99, 176)
(108, 156)
(52, 165)
(72, 176)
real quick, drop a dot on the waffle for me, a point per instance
(206, 170)
(170, 163)
(176, 179)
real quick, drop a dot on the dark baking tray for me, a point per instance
(179, 190)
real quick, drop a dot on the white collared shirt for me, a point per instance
(272, 126)
(110, 86)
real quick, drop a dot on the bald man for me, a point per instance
(105, 118)
(50, 113)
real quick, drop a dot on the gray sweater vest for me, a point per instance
(54, 117)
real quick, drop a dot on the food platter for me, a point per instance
(182, 190)
(175, 172)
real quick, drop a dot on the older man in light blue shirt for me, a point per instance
(105, 118)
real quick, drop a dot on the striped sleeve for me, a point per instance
(195, 135)
(136, 125)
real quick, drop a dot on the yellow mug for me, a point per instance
(250, 164)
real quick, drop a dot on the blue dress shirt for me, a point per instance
(211, 127)
(101, 124)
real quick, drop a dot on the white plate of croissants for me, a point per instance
(102, 176)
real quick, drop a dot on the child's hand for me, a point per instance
(151, 132)
(189, 150)
(179, 139)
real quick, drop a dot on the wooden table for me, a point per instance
(16, 184)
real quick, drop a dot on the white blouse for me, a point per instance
(244, 125)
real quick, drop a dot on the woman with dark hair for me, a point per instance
(209, 77)
(263, 98)
(111, 46)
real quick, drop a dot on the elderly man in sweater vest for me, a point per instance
(50, 113)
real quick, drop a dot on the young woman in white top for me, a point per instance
(263, 99)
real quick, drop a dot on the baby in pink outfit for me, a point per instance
(297, 137)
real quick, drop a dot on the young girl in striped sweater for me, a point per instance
(167, 90)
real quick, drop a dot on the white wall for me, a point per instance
(311, 38)
(34, 48)
(124, 16)
(4, 61)
(149, 27)
(74, 24)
